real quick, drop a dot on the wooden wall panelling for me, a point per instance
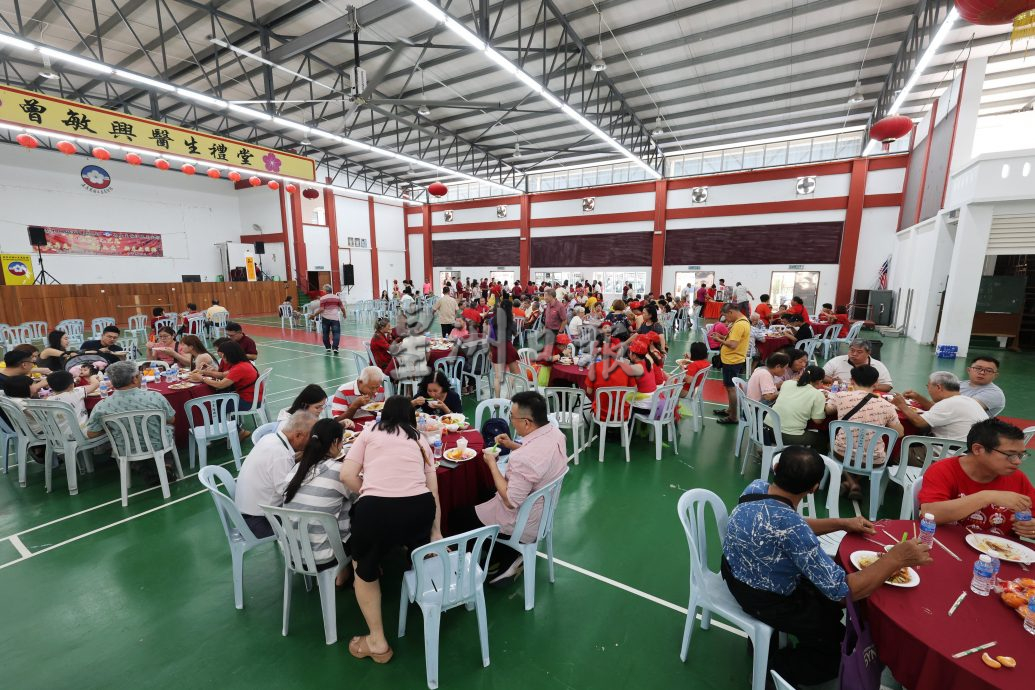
(793, 243)
(606, 249)
(491, 251)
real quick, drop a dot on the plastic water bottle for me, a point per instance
(422, 425)
(1029, 617)
(103, 388)
(981, 585)
(927, 527)
(995, 571)
(436, 448)
(1022, 515)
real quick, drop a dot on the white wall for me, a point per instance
(920, 264)
(763, 191)
(1003, 133)
(876, 242)
(260, 206)
(416, 244)
(614, 203)
(192, 214)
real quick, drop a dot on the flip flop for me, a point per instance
(726, 420)
(358, 648)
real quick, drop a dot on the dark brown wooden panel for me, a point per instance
(792, 243)
(578, 251)
(489, 251)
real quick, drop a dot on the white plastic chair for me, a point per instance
(547, 497)
(238, 535)
(478, 374)
(617, 417)
(268, 428)
(779, 683)
(8, 439)
(446, 574)
(98, 325)
(287, 315)
(24, 438)
(914, 494)
(60, 428)
(35, 330)
(166, 321)
(136, 326)
(73, 328)
(807, 507)
(258, 414)
(708, 591)
(527, 355)
(1029, 432)
(515, 383)
(129, 433)
(570, 407)
(218, 328)
(860, 444)
(453, 368)
(292, 529)
(829, 339)
(904, 475)
(695, 398)
(662, 416)
(488, 409)
(195, 325)
(217, 422)
(760, 416)
(809, 346)
(740, 386)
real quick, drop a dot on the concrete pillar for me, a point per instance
(965, 269)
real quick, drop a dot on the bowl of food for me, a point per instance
(453, 419)
(493, 451)
(459, 454)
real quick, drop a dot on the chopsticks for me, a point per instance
(956, 604)
(980, 648)
(874, 541)
(946, 548)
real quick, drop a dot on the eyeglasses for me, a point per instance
(1012, 456)
(983, 370)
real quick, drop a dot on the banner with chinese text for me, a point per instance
(31, 109)
(104, 242)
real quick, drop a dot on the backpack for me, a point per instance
(493, 427)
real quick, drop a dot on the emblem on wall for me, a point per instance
(501, 211)
(95, 179)
(589, 204)
(805, 185)
(449, 216)
(699, 195)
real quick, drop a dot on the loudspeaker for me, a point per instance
(260, 247)
(37, 236)
(348, 276)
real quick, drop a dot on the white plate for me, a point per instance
(468, 454)
(453, 418)
(857, 556)
(373, 407)
(1015, 553)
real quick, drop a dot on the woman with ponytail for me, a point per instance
(800, 402)
(315, 484)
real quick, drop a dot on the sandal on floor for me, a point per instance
(726, 420)
(358, 648)
(721, 413)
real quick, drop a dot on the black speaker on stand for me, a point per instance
(38, 239)
(348, 275)
(260, 249)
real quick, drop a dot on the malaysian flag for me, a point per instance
(882, 274)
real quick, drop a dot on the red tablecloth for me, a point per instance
(568, 373)
(908, 429)
(435, 355)
(177, 398)
(712, 310)
(468, 482)
(916, 637)
(771, 345)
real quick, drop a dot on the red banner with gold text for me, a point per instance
(103, 242)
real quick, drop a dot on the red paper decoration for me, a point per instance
(133, 159)
(213, 173)
(188, 169)
(234, 176)
(437, 189)
(101, 153)
(254, 181)
(310, 193)
(27, 140)
(273, 184)
(290, 188)
(992, 12)
(161, 164)
(891, 128)
(66, 147)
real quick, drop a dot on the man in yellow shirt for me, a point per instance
(733, 351)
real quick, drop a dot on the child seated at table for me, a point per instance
(698, 360)
(63, 389)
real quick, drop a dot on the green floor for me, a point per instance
(141, 597)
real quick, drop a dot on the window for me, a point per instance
(732, 159)
(824, 148)
(776, 153)
(788, 284)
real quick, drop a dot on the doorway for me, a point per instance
(317, 279)
(695, 278)
(452, 276)
(503, 277)
(788, 284)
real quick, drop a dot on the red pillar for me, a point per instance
(287, 241)
(332, 235)
(850, 236)
(426, 232)
(301, 265)
(525, 241)
(374, 276)
(657, 265)
(406, 242)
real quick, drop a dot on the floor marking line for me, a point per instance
(19, 546)
(288, 378)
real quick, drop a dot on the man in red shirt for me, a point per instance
(764, 309)
(556, 314)
(330, 311)
(984, 488)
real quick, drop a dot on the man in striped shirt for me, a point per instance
(331, 310)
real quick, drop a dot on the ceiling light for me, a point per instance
(82, 63)
(130, 76)
(517, 149)
(599, 65)
(424, 110)
(857, 94)
(204, 99)
(9, 40)
(46, 72)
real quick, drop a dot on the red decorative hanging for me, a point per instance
(161, 164)
(133, 159)
(66, 147)
(290, 188)
(310, 193)
(101, 153)
(27, 140)
(437, 189)
(188, 169)
(273, 184)
(992, 12)
(234, 176)
(254, 181)
(213, 173)
(891, 128)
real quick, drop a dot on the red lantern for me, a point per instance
(213, 173)
(133, 159)
(234, 176)
(437, 189)
(188, 169)
(290, 188)
(66, 147)
(891, 128)
(27, 140)
(310, 193)
(992, 12)
(101, 153)
(254, 181)
(161, 164)
(273, 184)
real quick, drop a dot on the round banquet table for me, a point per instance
(177, 399)
(915, 636)
(712, 310)
(908, 429)
(435, 355)
(568, 373)
(770, 345)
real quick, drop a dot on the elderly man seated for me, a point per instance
(536, 461)
(776, 570)
(983, 489)
(981, 374)
(947, 414)
(840, 368)
(349, 399)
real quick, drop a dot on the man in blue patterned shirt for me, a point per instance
(777, 571)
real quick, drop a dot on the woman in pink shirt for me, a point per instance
(397, 506)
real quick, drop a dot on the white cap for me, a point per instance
(985, 558)
(929, 516)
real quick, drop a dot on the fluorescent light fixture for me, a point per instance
(921, 65)
(469, 37)
(202, 98)
(259, 58)
(248, 112)
(9, 40)
(291, 125)
(82, 63)
(129, 76)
